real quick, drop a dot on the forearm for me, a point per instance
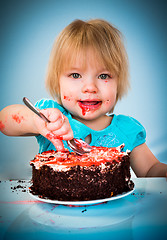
(17, 120)
(157, 170)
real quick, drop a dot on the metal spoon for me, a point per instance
(77, 145)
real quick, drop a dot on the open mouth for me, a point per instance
(88, 106)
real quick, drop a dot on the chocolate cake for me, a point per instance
(66, 176)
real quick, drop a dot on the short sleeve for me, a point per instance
(140, 133)
(49, 103)
(132, 130)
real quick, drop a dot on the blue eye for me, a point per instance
(75, 75)
(104, 76)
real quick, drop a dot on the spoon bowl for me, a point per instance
(77, 145)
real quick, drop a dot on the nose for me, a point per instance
(89, 86)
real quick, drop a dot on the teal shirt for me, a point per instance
(123, 129)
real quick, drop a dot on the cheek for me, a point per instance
(65, 93)
(67, 101)
(67, 98)
(111, 91)
(110, 98)
(107, 102)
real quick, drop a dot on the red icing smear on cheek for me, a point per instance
(2, 126)
(67, 98)
(51, 136)
(17, 118)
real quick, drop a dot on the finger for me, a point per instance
(64, 130)
(58, 145)
(56, 140)
(53, 114)
(68, 136)
(52, 126)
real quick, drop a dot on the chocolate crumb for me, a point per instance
(84, 210)
(21, 181)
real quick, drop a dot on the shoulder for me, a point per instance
(131, 128)
(49, 103)
(127, 122)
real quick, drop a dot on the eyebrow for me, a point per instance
(80, 68)
(73, 69)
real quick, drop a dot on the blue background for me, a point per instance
(28, 29)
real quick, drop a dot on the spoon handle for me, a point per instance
(34, 109)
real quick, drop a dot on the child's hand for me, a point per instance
(58, 129)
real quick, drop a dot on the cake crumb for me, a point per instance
(84, 210)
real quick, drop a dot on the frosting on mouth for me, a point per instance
(88, 106)
(89, 102)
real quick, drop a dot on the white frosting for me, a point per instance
(59, 168)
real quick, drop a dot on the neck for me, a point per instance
(96, 124)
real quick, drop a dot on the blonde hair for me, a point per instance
(103, 38)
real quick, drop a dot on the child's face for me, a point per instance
(88, 91)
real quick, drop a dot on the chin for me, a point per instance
(89, 116)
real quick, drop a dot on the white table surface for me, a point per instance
(141, 215)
